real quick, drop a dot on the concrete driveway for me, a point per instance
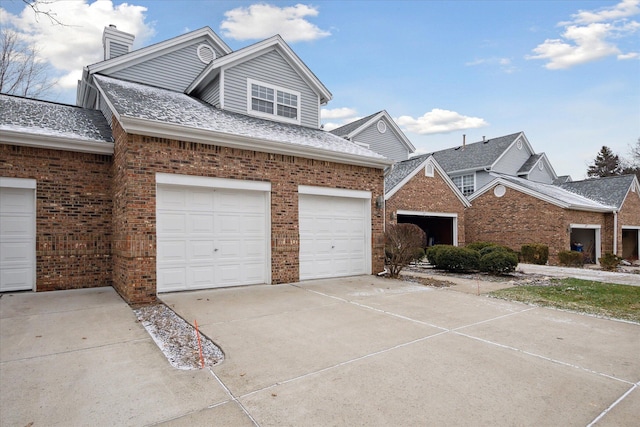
(354, 351)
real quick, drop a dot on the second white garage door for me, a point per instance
(211, 238)
(334, 236)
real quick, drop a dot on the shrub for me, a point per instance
(495, 248)
(535, 253)
(478, 246)
(401, 244)
(499, 262)
(571, 258)
(432, 253)
(456, 259)
(609, 261)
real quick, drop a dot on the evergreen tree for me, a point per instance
(605, 164)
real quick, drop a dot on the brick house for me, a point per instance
(514, 211)
(186, 166)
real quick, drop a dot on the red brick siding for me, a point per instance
(73, 214)
(517, 219)
(629, 215)
(139, 158)
(427, 194)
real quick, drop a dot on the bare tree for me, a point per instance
(37, 7)
(21, 73)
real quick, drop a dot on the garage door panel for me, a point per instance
(172, 278)
(17, 201)
(13, 279)
(16, 226)
(17, 239)
(171, 198)
(16, 252)
(224, 230)
(333, 236)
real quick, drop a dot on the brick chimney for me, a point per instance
(116, 42)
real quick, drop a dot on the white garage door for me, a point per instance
(17, 238)
(211, 238)
(334, 236)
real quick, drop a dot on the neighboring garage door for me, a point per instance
(17, 234)
(335, 233)
(211, 237)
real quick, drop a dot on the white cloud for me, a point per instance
(505, 64)
(260, 21)
(78, 42)
(439, 121)
(337, 113)
(588, 37)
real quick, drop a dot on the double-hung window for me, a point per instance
(465, 183)
(273, 102)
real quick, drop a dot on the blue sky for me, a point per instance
(567, 73)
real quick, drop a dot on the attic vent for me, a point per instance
(519, 144)
(428, 170)
(382, 126)
(206, 53)
(540, 165)
(499, 190)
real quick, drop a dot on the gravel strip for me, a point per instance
(177, 338)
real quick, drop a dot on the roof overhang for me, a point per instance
(388, 194)
(134, 125)
(255, 50)
(54, 142)
(540, 196)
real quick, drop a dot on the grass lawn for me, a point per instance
(603, 299)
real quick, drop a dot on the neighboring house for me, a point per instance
(420, 192)
(379, 133)
(514, 211)
(623, 193)
(206, 167)
(470, 165)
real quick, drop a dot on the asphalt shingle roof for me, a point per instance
(401, 170)
(529, 164)
(145, 102)
(609, 191)
(561, 195)
(52, 119)
(477, 155)
(350, 127)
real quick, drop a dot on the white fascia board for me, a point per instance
(204, 136)
(53, 142)
(139, 55)
(258, 49)
(334, 192)
(539, 196)
(426, 213)
(211, 182)
(26, 183)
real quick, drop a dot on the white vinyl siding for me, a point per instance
(465, 183)
(174, 71)
(117, 49)
(387, 144)
(543, 175)
(269, 69)
(211, 93)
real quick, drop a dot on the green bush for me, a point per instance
(478, 246)
(535, 253)
(609, 261)
(432, 253)
(419, 254)
(495, 248)
(456, 259)
(499, 262)
(571, 258)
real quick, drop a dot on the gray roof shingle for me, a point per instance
(474, 156)
(52, 119)
(529, 164)
(145, 102)
(350, 127)
(609, 191)
(401, 170)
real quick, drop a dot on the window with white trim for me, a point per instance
(465, 183)
(273, 102)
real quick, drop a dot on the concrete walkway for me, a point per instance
(353, 351)
(582, 273)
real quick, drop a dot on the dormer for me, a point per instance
(115, 42)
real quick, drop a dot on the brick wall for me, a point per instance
(517, 218)
(629, 215)
(73, 214)
(427, 194)
(138, 158)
